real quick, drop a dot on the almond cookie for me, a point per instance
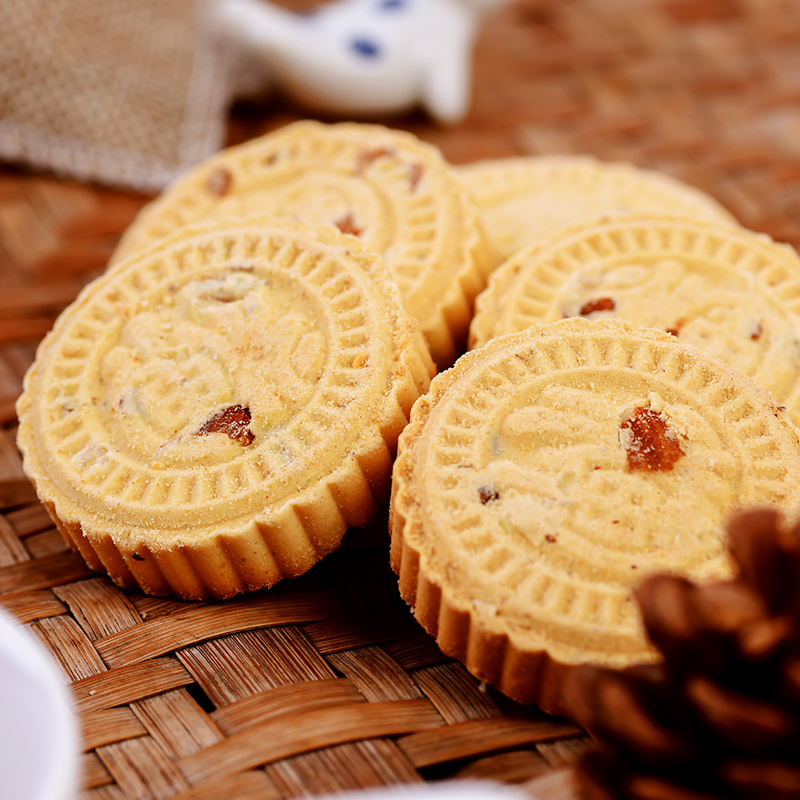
(545, 474)
(522, 199)
(396, 193)
(725, 289)
(212, 414)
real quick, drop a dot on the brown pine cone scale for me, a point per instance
(719, 716)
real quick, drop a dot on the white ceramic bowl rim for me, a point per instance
(38, 733)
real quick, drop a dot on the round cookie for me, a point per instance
(524, 198)
(396, 193)
(548, 472)
(212, 414)
(723, 288)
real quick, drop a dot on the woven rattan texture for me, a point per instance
(327, 682)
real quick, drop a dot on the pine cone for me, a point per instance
(719, 716)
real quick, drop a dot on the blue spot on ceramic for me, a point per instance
(392, 5)
(365, 47)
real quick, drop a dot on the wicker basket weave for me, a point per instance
(327, 683)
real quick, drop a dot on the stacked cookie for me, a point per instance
(524, 199)
(212, 414)
(633, 381)
(389, 189)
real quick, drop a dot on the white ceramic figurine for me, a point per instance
(365, 57)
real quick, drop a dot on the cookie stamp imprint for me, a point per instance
(212, 414)
(549, 470)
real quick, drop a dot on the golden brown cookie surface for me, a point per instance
(525, 198)
(213, 413)
(725, 289)
(545, 474)
(396, 193)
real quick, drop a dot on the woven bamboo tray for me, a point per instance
(327, 683)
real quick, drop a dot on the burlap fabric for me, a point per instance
(127, 93)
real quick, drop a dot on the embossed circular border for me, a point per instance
(352, 329)
(501, 652)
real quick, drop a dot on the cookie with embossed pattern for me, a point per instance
(549, 471)
(393, 191)
(212, 414)
(524, 198)
(726, 289)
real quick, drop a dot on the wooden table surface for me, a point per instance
(178, 700)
